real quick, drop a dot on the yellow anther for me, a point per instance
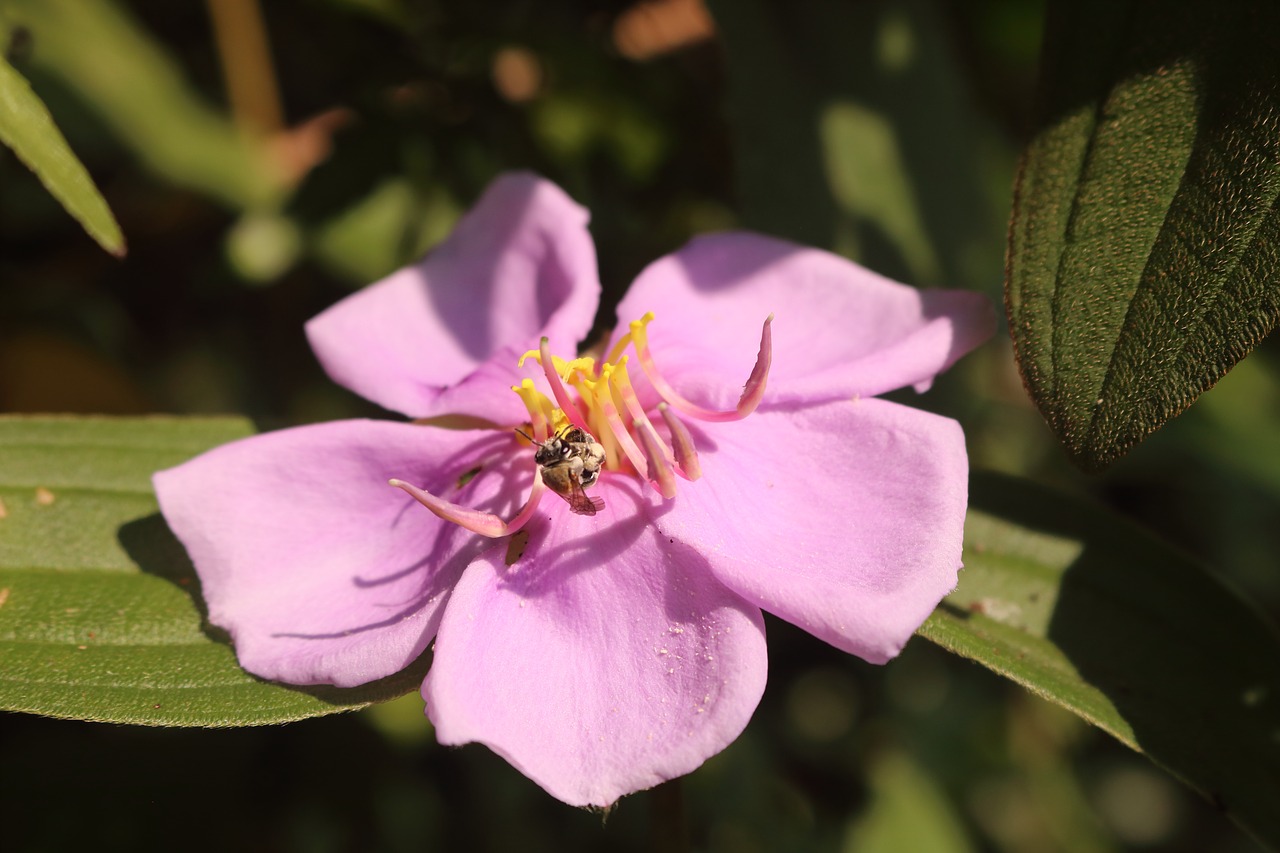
(583, 365)
(639, 330)
(559, 420)
(541, 411)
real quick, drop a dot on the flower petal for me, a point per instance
(321, 571)
(519, 265)
(845, 518)
(605, 660)
(840, 330)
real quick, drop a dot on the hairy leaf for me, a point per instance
(100, 609)
(1099, 617)
(1145, 237)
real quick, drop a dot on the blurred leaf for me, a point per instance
(390, 227)
(853, 130)
(908, 813)
(27, 128)
(125, 76)
(1145, 234)
(572, 126)
(1234, 428)
(1091, 613)
(869, 180)
(100, 614)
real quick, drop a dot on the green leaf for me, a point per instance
(1146, 234)
(100, 610)
(1095, 615)
(140, 93)
(27, 128)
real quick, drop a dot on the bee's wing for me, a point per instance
(582, 503)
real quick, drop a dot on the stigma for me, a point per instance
(594, 420)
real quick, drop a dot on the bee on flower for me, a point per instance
(724, 454)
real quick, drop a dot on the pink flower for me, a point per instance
(598, 653)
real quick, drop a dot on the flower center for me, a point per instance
(606, 427)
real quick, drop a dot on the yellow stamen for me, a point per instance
(541, 412)
(607, 406)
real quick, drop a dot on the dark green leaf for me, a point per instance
(27, 128)
(1099, 617)
(100, 610)
(1145, 236)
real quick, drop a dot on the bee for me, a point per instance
(570, 462)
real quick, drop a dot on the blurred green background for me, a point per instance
(255, 193)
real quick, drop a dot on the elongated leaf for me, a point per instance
(100, 613)
(27, 128)
(1097, 616)
(145, 99)
(1146, 233)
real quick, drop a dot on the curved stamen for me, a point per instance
(557, 385)
(624, 397)
(752, 391)
(615, 354)
(483, 523)
(686, 453)
(659, 468)
(620, 434)
(601, 429)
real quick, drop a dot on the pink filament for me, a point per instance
(557, 387)
(659, 468)
(624, 439)
(686, 452)
(483, 523)
(752, 391)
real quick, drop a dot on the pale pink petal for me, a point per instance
(321, 571)
(605, 660)
(840, 330)
(519, 265)
(844, 518)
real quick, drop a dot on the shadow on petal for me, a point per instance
(572, 554)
